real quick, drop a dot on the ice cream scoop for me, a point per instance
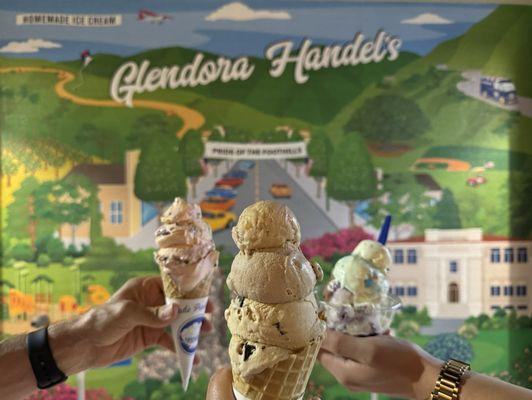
(275, 276)
(249, 358)
(358, 275)
(288, 325)
(181, 211)
(186, 233)
(375, 253)
(264, 225)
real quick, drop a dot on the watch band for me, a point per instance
(450, 381)
(46, 371)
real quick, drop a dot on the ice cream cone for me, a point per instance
(274, 318)
(187, 261)
(286, 380)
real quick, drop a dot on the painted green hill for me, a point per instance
(317, 101)
(497, 45)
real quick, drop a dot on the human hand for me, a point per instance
(221, 385)
(133, 319)
(381, 364)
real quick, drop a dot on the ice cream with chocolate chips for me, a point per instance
(273, 318)
(186, 255)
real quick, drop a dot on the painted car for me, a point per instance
(232, 182)
(278, 190)
(246, 164)
(476, 181)
(217, 204)
(221, 192)
(219, 220)
(236, 173)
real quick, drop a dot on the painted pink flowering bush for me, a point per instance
(337, 243)
(66, 392)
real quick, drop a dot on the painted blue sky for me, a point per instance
(226, 27)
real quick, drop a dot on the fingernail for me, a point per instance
(166, 312)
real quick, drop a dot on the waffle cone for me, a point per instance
(286, 380)
(171, 290)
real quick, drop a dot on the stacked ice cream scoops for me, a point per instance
(357, 297)
(187, 259)
(273, 317)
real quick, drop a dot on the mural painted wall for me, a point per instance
(344, 111)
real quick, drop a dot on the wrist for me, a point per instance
(427, 380)
(71, 351)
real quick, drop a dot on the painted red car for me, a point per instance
(476, 181)
(232, 182)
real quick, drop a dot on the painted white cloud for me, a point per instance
(427, 19)
(237, 11)
(29, 46)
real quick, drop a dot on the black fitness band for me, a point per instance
(46, 372)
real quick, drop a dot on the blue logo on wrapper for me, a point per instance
(189, 334)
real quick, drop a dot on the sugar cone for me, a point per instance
(286, 380)
(186, 329)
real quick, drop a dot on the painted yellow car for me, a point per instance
(219, 220)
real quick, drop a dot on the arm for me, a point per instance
(396, 367)
(133, 319)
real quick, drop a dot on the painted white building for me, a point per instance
(461, 272)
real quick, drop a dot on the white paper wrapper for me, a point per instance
(240, 396)
(186, 332)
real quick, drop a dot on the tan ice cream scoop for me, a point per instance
(249, 358)
(278, 276)
(265, 225)
(289, 325)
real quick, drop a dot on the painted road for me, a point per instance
(192, 119)
(471, 87)
(314, 222)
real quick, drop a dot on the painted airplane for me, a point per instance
(153, 17)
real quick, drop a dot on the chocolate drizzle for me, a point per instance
(248, 351)
(278, 326)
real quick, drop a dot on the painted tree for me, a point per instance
(388, 118)
(298, 162)
(160, 177)
(97, 140)
(410, 206)
(64, 202)
(351, 175)
(191, 150)
(21, 217)
(447, 214)
(149, 128)
(89, 190)
(319, 151)
(9, 167)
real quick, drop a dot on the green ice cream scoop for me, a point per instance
(363, 272)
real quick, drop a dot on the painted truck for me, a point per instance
(499, 89)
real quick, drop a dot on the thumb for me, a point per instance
(155, 317)
(220, 385)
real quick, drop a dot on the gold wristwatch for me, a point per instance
(450, 380)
